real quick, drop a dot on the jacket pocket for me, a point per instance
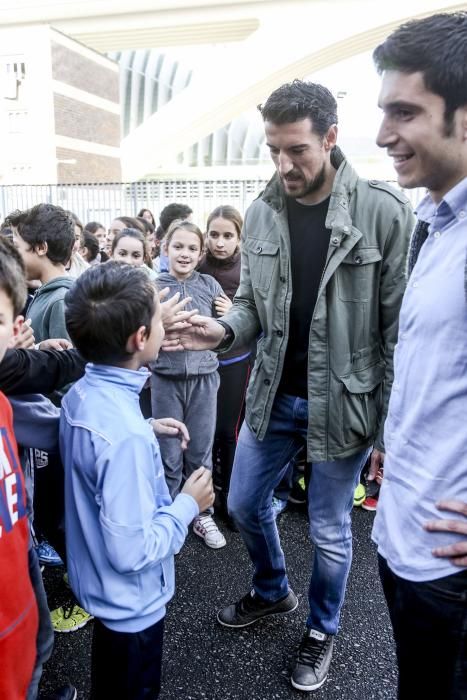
(357, 275)
(263, 258)
(361, 403)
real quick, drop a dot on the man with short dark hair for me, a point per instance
(421, 524)
(323, 255)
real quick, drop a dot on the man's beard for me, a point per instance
(315, 184)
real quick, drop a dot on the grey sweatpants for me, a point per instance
(194, 402)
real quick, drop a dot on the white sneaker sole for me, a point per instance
(211, 546)
(308, 688)
(75, 628)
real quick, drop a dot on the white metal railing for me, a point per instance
(103, 202)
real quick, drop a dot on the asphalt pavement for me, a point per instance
(204, 661)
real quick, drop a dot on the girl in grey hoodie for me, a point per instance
(184, 383)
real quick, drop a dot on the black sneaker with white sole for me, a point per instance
(313, 660)
(252, 608)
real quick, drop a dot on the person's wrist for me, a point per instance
(228, 336)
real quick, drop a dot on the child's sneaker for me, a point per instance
(298, 494)
(205, 527)
(69, 618)
(370, 503)
(359, 495)
(47, 554)
(278, 506)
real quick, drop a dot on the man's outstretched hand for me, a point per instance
(199, 333)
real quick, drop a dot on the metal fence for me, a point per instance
(103, 202)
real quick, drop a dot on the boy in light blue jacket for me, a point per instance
(122, 528)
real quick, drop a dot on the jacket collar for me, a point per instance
(338, 218)
(130, 379)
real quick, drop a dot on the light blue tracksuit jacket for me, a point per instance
(122, 528)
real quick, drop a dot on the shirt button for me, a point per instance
(415, 284)
(461, 214)
(346, 229)
(279, 333)
(282, 279)
(437, 234)
(267, 382)
(358, 260)
(335, 240)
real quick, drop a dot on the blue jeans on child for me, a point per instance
(258, 468)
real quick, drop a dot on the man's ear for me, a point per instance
(330, 139)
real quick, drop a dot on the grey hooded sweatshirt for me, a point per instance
(47, 309)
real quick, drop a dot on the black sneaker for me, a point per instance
(252, 608)
(313, 659)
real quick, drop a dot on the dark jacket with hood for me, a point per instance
(47, 309)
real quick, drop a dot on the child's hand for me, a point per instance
(24, 339)
(172, 427)
(199, 485)
(222, 304)
(173, 316)
(55, 344)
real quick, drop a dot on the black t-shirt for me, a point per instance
(309, 243)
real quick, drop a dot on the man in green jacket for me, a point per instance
(323, 259)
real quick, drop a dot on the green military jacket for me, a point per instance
(354, 327)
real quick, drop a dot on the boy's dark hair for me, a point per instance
(76, 220)
(93, 226)
(435, 46)
(298, 100)
(172, 212)
(12, 275)
(46, 223)
(91, 244)
(106, 305)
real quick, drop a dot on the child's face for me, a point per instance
(156, 337)
(30, 258)
(184, 252)
(9, 326)
(101, 235)
(77, 244)
(222, 238)
(129, 250)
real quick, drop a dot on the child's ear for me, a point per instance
(137, 340)
(17, 326)
(41, 248)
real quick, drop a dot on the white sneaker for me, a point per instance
(205, 527)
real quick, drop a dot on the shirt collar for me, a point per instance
(455, 201)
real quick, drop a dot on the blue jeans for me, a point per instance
(258, 468)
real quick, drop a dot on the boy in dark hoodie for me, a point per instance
(44, 236)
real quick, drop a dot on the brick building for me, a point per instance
(59, 110)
